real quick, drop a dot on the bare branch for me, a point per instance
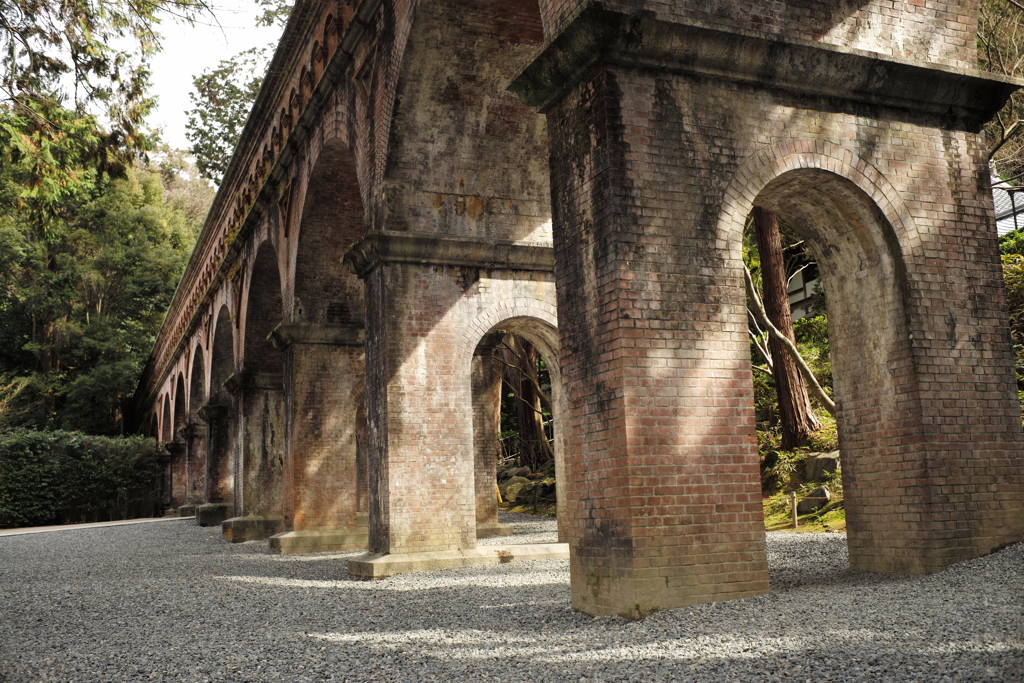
(762, 317)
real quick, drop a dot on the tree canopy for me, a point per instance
(224, 96)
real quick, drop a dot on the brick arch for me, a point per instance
(165, 419)
(331, 218)
(262, 303)
(857, 226)
(198, 390)
(180, 404)
(536, 321)
(773, 161)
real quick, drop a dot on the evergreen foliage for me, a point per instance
(90, 253)
(62, 478)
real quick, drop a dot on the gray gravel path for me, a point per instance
(174, 602)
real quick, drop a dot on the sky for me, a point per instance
(189, 50)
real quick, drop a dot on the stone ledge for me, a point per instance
(319, 540)
(602, 36)
(381, 246)
(373, 566)
(213, 514)
(491, 529)
(287, 334)
(242, 529)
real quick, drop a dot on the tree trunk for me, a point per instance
(795, 412)
(520, 370)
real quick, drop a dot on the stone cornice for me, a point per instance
(379, 247)
(597, 35)
(286, 334)
(211, 413)
(240, 381)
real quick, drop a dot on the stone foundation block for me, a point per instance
(491, 529)
(187, 511)
(242, 529)
(372, 566)
(213, 514)
(319, 541)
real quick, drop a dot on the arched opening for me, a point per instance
(165, 421)
(517, 406)
(178, 446)
(261, 391)
(324, 366)
(195, 431)
(857, 254)
(219, 414)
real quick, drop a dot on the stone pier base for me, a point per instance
(491, 529)
(242, 529)
(320, 540)
(187, 511)
(213, 514)
(372, 566)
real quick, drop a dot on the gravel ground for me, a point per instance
(174, 602)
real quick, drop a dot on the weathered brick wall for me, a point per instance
(486, 392)
(940, 31)
(466, 157)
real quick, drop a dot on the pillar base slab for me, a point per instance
(373, 566)
(320, 540)
(491, 529)
(187, 511)
(242, 529)
(213, 514)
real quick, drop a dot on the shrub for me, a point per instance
(63, 478)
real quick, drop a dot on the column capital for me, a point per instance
(286, 334)
(381, 246)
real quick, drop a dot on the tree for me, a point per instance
(795, 411)
(90, 260)
(529, 407)
(1001, 51)
(47, 47)
(224, 96)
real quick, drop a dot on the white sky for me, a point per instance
(189, 50)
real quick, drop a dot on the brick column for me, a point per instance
(486, 418)
(662, 479)
(421, 495)
(194, 436)
(324, 473)
(260, 463)
(177, 470)
(217, 479)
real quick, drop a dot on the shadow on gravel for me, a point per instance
(181, 604)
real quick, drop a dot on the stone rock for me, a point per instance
(815, 500)
(817, 464)
(517, 472)
(516, 487)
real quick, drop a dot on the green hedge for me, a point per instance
(65, 478)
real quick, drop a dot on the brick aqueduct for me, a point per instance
(419, 175)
